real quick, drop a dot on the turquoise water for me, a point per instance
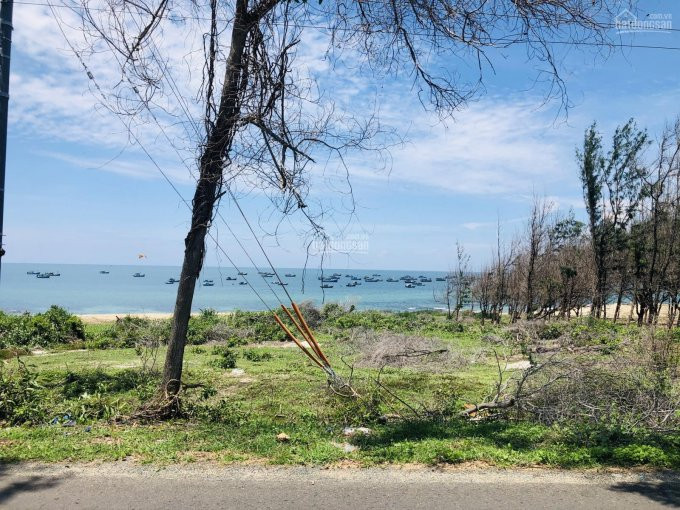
(81, 289)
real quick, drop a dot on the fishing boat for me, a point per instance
(42, 275)
(208, 283)
(138, 275)
(351, 284)
(410, 286)
(33, 272)
(326, 286)
(441, 279)
(290, 275)
(103, 272)
(230, 278)
(243, 283)
(279, 283)
(391, 280)
(242, 274)
(170, 281)
(426, 280)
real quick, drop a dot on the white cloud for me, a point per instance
(52, 96)
(495, 146)
(136, 168)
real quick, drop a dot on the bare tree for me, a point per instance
(457, 289)
(537, 234)
(447, 295)
(462, 280)
(264, 122)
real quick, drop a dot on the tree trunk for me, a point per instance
(212, 162)
(204, 200)
(619, 300)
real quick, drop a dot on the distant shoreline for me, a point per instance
(101, 318)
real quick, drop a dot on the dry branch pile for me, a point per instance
(635, 385)
(382, 348)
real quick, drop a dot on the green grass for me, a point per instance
(236, 417)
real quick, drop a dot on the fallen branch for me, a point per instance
(487, 405)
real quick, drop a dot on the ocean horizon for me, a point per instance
(82, 289)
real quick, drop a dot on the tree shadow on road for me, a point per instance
(665, 491)
(23, 483)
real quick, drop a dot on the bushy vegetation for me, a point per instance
(595, 393)
(55, 326)
(226, 357)
(21, 396)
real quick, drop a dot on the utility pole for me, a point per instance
(5, 48)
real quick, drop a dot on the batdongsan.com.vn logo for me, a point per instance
(357, 244)
(627, 22)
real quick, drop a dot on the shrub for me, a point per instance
(13, 352)
(550, 330)
(332, 311)
(445, 327)
(202, 328)
(98, 407)
(90, 382)
(55, 326)
(311, 314)
(640, 454)
(226, 358)
(593, 331)
(22, 399)
(256, 355)
(224, 412)
(256, 326)
(129, 331)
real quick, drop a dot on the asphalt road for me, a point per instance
(122, 485)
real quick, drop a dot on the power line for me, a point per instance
(175, 91)
(150, 157)
(167, 137)
(172, 17)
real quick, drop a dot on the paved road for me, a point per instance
(120, 485)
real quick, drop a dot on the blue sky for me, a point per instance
(77, 192)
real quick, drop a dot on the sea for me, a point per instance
(82, 289)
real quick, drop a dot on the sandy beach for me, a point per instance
(100, 318)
